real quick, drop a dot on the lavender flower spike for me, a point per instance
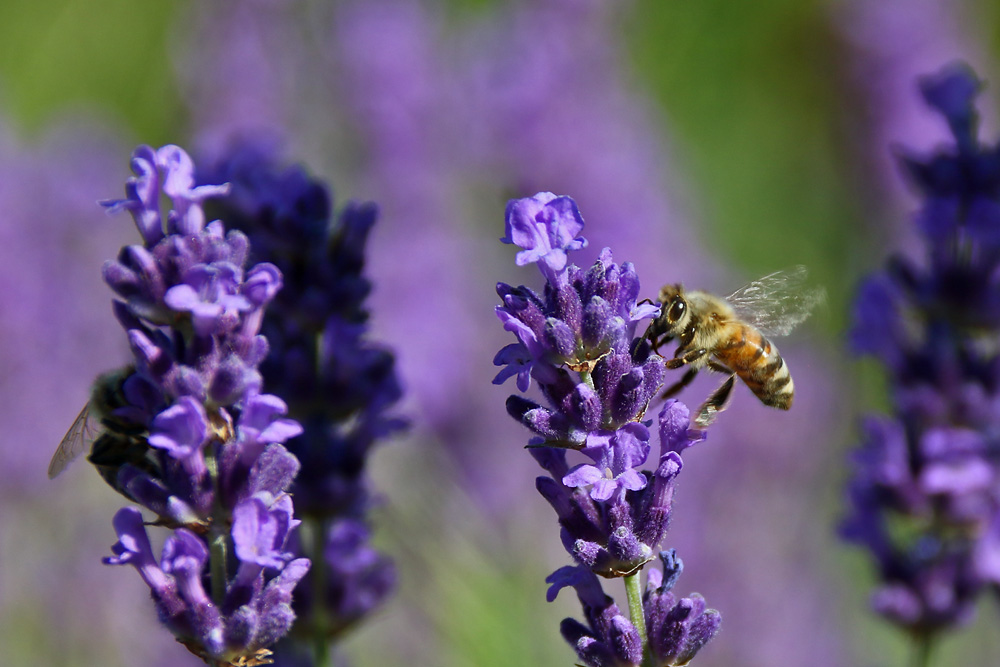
(189, 434)
(923, 496)
(577, 340)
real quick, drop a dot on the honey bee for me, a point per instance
(113, 441)
(728, 336)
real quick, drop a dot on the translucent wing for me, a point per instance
(778, 302)
(79, 437)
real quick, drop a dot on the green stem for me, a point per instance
(218, 546)
(923, 645)
(587, 379)
(218, 549)
(633, 591)
(321, 646)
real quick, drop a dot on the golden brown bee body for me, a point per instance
(757, 362)
(725, 335)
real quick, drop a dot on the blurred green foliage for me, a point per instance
(111, 55)
(754, 107)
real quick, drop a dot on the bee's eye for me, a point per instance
(677, 309)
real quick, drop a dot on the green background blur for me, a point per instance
(762, 125)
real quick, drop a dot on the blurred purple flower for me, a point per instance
(54, 237)
(932, 466)
(243, 71)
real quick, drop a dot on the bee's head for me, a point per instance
(674, 312)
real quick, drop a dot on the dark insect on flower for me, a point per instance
(113, 441)
(729, 335)
(115, 429)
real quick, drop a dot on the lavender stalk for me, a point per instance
(923, 497)
(577, 341)
(189, 435)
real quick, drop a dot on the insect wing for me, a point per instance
(778, 302)
(80, 435)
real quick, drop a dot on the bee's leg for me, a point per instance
(655, 344)
(653, 333)
(719, 367)
(715, 404)
(676, 387)
(684, 350)
(655, 340)
(688, 357)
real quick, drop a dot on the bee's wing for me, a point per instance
(778, 302)
(80, 435)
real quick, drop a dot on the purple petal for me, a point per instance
(259, 532)
(582, 475)
(133, 548)
(181, 429)
(262, 284)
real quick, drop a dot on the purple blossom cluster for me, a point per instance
(676, 629)
(189, 435)
(338, 385)
(924, 496)
(577, 341)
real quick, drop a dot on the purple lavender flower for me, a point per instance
(546, 227)
(609, 638)
(923, 498)
(677, 628)
(577, 341)
(197, 442)
(339, 385)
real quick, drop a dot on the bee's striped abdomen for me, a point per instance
(759, 364)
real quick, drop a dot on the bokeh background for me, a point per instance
(708, 142)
